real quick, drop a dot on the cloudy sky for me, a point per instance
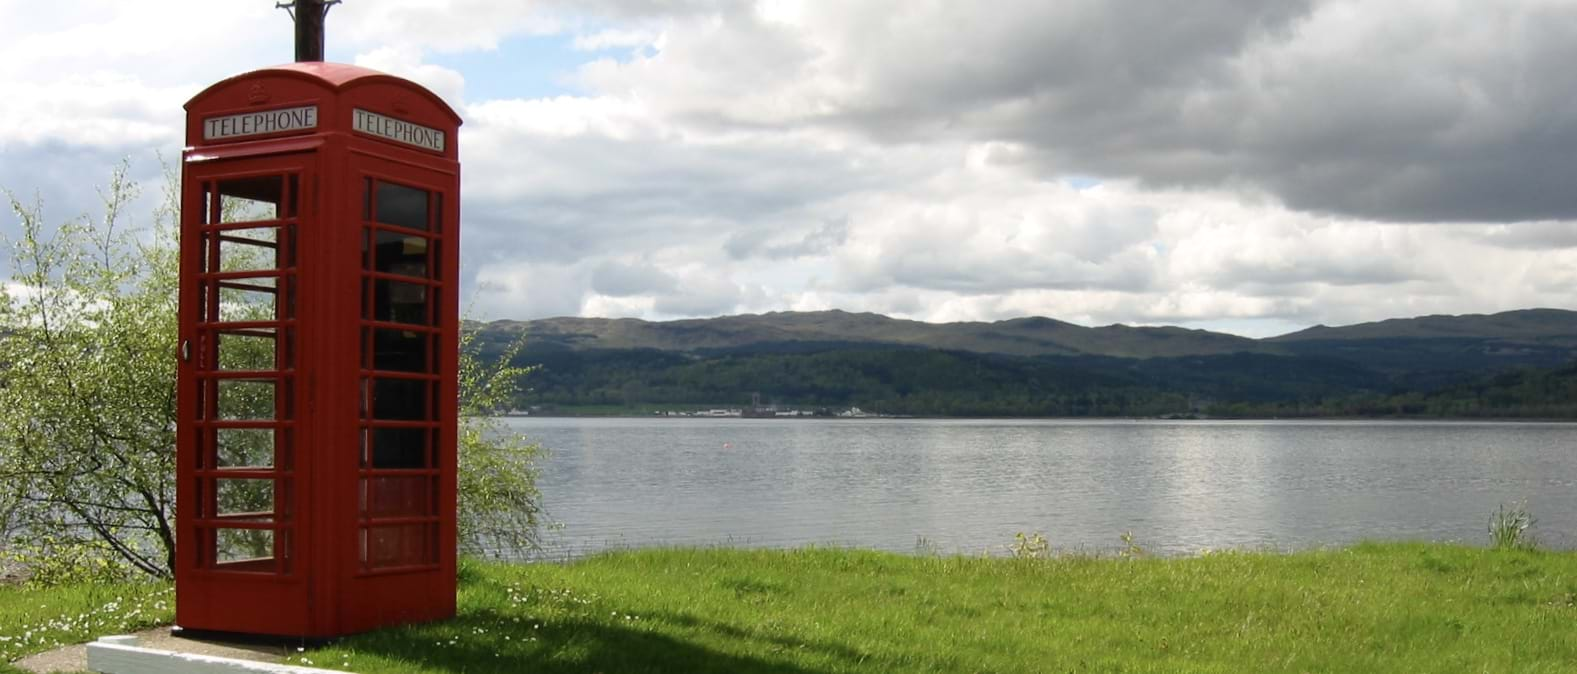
(1253, 166)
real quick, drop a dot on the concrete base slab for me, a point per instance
(126, 655)
(113, 655)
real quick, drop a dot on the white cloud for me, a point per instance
(407, 62)
(442, 25)
(100, 109)
(1263, 164)
(612, 39)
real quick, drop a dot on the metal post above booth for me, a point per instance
(319, 332)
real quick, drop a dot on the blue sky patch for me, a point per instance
(534, 66)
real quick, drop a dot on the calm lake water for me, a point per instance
(967, 485)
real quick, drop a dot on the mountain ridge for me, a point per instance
(1036, 335)
(1518, 363)
(1516, 324)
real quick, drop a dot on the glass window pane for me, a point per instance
(247, 250)
(399, 400)
(402, 545)
(399, 351)
(248, 300)
(397, 302)
(402, 254)
(401, 206)
(247, 349)
(250, 199)
(397, 496)
(251, 500)
(241, 399)
(244, 549)
(245, 447)
(399, 448)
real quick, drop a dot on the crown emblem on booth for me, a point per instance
(258, 95)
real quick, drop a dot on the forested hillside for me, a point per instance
(1519, 364)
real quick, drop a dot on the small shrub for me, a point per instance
(1131, 550)
(51, 562)
(1509, 529)
(1033, 546)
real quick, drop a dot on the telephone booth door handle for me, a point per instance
(186, 350)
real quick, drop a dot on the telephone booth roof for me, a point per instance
(336, 88)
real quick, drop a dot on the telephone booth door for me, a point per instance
(405, 400)
(243, 458)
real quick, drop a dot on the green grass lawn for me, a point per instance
(34, 620)
(1379, 607)
(1374, 607)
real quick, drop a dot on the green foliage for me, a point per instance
(88, 399)
(50, 562)
(500, 507)
(1512, 529)
(1371, 608)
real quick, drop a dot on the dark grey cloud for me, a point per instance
(1442, 112)
(569, 197)
(54, 177)
(1407, 111)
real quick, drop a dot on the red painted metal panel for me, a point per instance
(320, 328)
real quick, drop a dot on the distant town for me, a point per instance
(765, 412)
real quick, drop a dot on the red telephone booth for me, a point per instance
(318, 342)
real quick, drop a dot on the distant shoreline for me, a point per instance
(912, 417)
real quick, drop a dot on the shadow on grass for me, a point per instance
(835, 650)
(476, 643)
